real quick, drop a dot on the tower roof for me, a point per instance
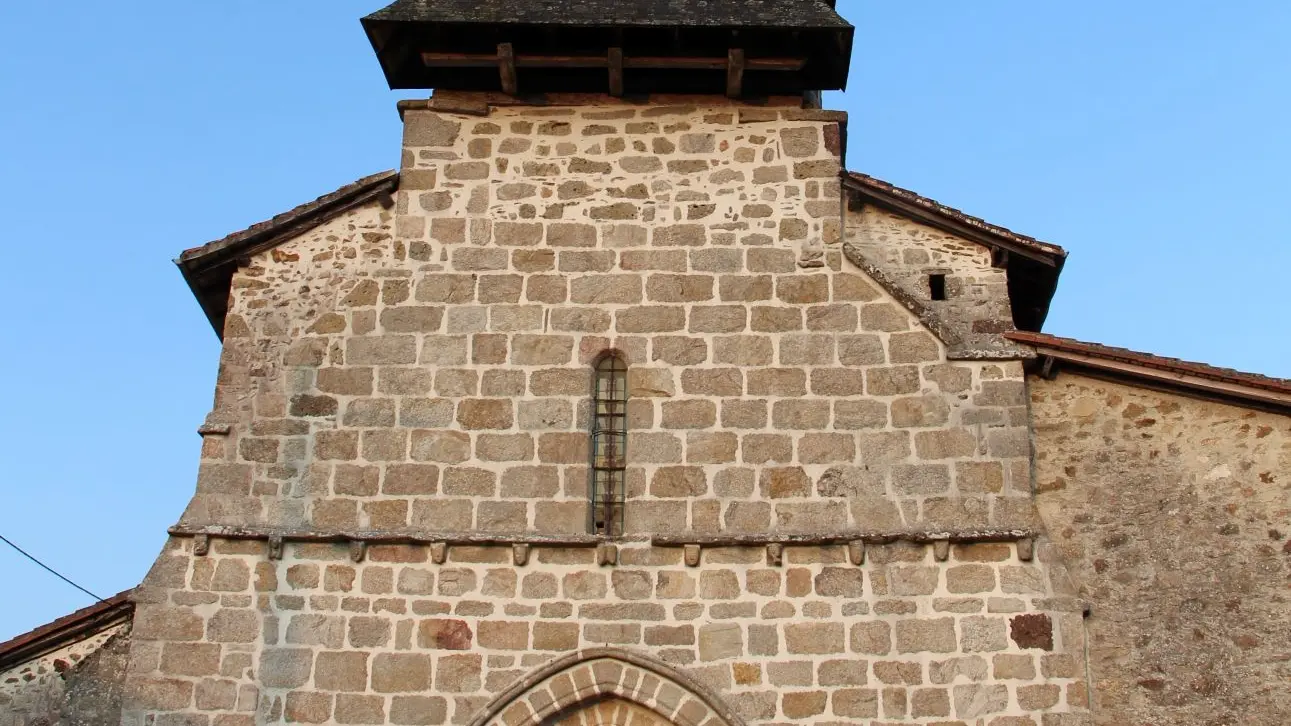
(737, 47)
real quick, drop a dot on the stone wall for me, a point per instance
(437, 378)
(423, 371)
(78, 685)
(1173, 516)
(317, 638)
(977, 305)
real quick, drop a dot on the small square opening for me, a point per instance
(937, 287)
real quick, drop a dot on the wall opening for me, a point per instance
(937, 286)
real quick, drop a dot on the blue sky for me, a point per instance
(1149, 138)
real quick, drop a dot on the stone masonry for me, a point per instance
(390, 523)
(1172, 515)
(80, 683)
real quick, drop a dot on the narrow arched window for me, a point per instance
(609, 445)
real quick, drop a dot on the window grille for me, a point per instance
(609, 445)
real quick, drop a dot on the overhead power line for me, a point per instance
(47, 568)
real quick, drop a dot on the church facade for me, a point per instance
(631, 405)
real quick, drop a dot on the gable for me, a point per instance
(209, 269)
(1030, 267)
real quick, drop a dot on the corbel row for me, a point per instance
(607, 553)
(856, 543)
(521, 544)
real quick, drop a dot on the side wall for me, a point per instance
(1174, 518)
(79, 684)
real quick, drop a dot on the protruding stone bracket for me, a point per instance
(275, 548)
(856, 552)
(201, 545)
(840, 537)
(607, 555)
(941, 549)
(520, 554)
(692, 554)
(358, 551)
(210, 428)
(1026, 549)
(439, 552)
(775, 554)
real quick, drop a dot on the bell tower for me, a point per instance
(737, 48)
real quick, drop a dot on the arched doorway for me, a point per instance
(607, 712)
(606, 687)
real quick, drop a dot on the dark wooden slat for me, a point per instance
(735, 73)
(476, 60)
(507, 68)
(615, 62)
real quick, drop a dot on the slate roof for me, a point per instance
(67, 630)
(645, 13)
(1158, 368)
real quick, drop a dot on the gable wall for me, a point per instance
(1173, 516)
(977, 294)
(426, 370)
(80, 683)
(528, 243)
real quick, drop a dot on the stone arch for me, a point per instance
(606, 686)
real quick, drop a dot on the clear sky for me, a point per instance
(1151, 139)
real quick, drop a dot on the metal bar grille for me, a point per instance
(609, 446)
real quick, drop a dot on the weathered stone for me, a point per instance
(720, 640)
(934, 635)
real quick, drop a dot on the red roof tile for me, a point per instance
(67, 630)
(937, 208)
(1279, 386)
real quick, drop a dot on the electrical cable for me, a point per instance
(49, 569)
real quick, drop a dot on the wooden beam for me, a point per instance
(478, 60)
(507, 68)
(735, 73)
(614, 60)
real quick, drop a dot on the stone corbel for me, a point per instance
(439, 552)
(607, 554)
(275, 548)
(520, 554)
(1026, 549)
(358, 551)
(212, 426)
(856, 552)
(692, 554)
(941, 549)
(775, 554)
(201, 545)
